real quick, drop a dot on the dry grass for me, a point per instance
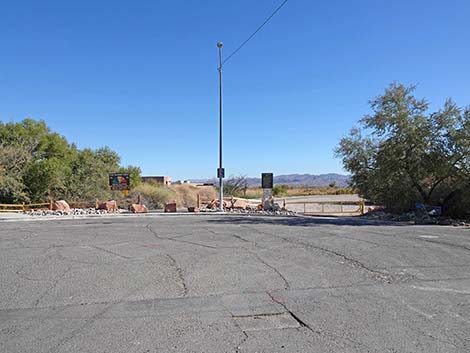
(253, 193)
(152, 195)
(186, 195)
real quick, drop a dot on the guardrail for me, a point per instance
(4, 207)
(24, 207)
(325, 207)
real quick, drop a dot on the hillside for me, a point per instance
(300, 180)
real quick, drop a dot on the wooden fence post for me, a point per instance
(198, 202)
(24, 209)
(97, 204)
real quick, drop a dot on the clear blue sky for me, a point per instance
(141, 77)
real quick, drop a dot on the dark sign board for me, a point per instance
(267, 180)
(119, 181)
(221, 173)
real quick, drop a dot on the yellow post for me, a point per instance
(24, 209)
(97, 204)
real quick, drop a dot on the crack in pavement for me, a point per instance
(55, 282)
(110, 252)
(150, 229)
(179, 271)
(232, 235)
(248, 292)
(376, 274)
(296, 318)
(456, 246)
(318, 332)
(245, 335)
(93, 318)
(286, 283)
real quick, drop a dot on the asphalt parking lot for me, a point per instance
(233, 284)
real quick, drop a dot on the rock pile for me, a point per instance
(414, 218)
(69, 212)
(240, 206)
(215, 204)
(255, 211)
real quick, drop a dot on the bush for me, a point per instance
(280, 190)
(404, 155)
(344, 191)
(153, 196)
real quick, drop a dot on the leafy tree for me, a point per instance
(409, 155)
(134, 175)
(36, 163)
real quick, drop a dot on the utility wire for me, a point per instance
(254, 33)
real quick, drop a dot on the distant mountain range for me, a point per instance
(298, 180)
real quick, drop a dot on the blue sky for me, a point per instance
(141, 77)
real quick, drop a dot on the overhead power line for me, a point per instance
(254, 33)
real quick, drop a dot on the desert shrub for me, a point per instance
(280, 190)
(236, 186)
(405, 155)
(153, 196)
(344, 191)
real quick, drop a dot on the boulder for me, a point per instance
(193, 209)
(215, 204)
(60, 205)
(138, 208)
(110, 206)
(239, 204)
(270, 205)
(170, 207)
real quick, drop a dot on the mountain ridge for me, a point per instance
(316, 180)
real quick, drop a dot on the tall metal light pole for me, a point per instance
(220, 171)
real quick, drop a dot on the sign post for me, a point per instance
(267, 181)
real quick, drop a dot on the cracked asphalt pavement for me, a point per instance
(214, 283)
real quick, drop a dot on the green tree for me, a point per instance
(409, 155)
(36, 163)
(134, 175)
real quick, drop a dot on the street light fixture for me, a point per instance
(220, 171)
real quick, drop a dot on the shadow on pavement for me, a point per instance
(304, 221)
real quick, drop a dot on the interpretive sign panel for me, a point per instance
(119, 181)
(267, 180)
